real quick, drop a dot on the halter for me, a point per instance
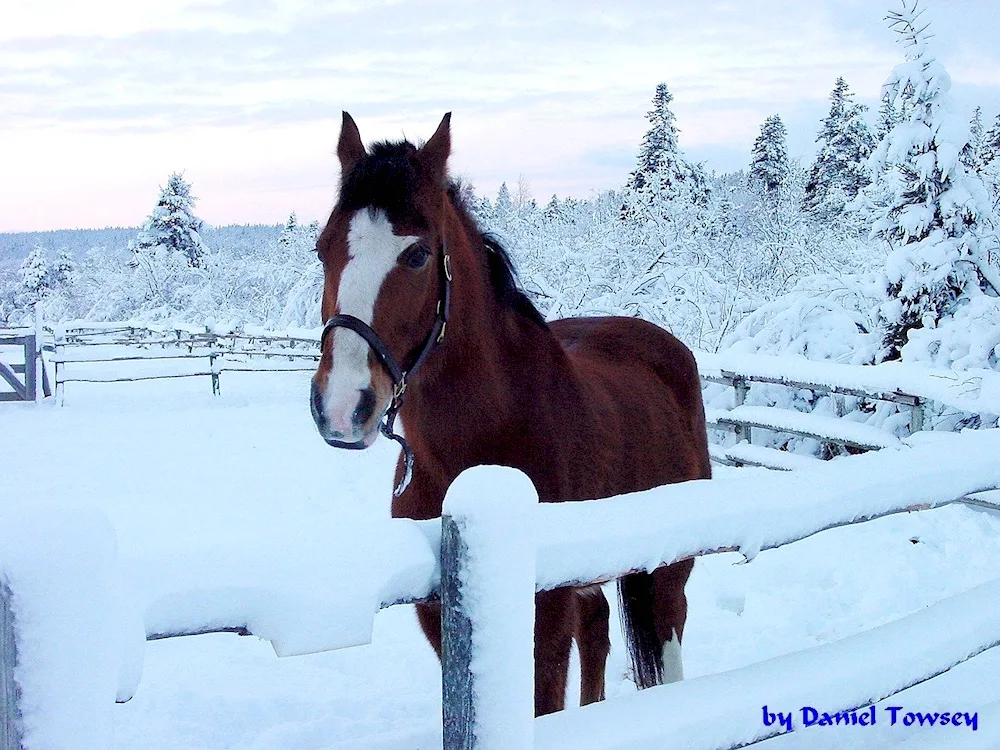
(398, 374)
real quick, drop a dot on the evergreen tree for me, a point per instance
(989, 145)
(889, 116)
(769, 163)
(63, 268)
(505, 204)
(840, 171)
(935, 213)
(172, 225)
(662, 168)
(971, 152)
(290, 232)
(36, 279)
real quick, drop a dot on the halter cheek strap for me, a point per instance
(398, 374)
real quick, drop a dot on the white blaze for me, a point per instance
(372, 250)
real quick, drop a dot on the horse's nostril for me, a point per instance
(316, 406)
(365, 407)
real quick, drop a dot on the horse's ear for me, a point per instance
(350, 149)
(434, 154)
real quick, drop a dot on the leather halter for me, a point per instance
(398, 374)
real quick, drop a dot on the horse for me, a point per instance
(424, 318)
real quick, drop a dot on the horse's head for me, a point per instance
(383, 257)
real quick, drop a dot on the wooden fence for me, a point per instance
(33, 383)
(81, 350)
(598, 541)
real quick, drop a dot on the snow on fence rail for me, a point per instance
(81, 349)
(33, 384)
(266, 593)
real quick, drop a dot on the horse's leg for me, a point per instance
(553, 637)
(670, 604)
(592, 641)
(429, 616)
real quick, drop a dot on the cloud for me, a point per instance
(558, 88)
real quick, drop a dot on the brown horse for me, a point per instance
(424, 317)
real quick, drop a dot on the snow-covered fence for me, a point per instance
(34, 382)
(911, 389)
(596, 541)
(487, 581)
(116, 353)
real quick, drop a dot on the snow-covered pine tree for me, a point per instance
(889, 117)
(290, 232)
(62, 269)
(989, 158)
(172, 225)
(845, 143)
(970, 154)
(661, 166)
(989, 144)
(769, 162)
(36, 279)
(936, 213)
(504, 205)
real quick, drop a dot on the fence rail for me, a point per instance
(596, 541)
(33, 384)
(78, 349)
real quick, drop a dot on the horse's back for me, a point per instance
(647, 380)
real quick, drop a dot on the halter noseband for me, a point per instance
(398, 374)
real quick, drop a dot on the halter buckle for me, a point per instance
(398, 390)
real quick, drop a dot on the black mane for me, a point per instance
(387, 178)
(502, 274)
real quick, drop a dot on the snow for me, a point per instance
(800, 422)
(972, 390)
(758, 455)
(298, 596)
(601, 539)
(179, 472)
(725, 709)
(79, 643)
(492, 508)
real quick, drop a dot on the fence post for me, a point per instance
(488, 576)
(916, 416)
(216, 388)
(36, 358)
(740, 388)
(10, 718)
(30, 361)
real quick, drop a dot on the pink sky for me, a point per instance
(99, 102)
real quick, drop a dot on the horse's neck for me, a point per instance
(492, 366)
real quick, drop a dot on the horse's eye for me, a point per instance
(416, 256)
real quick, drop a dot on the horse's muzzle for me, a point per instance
(349, 432)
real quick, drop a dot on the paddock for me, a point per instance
(214, 465)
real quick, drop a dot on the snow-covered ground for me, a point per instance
(176, 469)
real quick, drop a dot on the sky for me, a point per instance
(101, 101)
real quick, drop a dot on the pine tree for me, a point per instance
(889, 116)
(971, 152)
(935, 212)
(290, 232)
(63, 268)
(769, 163)
(989, 145)
(662, 168)
(172, 225)
(36, 279)
(505, 204)
(839, 172)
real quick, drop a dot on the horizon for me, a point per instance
(102, 104)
